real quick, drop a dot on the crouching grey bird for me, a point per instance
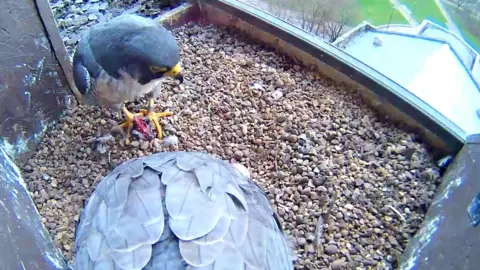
(180, 210)
(124, 58)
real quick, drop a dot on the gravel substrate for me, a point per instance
(313, 145)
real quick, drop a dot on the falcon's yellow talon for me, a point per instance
(128, 122)
(153, 116)
(163, 114)
(148, 113)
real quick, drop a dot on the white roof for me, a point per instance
(436, 67)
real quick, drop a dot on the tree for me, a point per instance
(281, 8)
(325, 18)
(461, 4)
(334, 29)
(468, 12)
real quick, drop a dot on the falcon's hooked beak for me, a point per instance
(175, 72)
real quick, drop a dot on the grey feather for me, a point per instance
(138, 233)
(106, 263)
(172, 174)
(159, 164)
(188, 162)
(116, 196)
(200, 255)
(167, 234)
(134, 168)
(184, 196)
(198, 225)
(135, 259)
(110, 218)
(101, 224)
(254, 246)
(236, 193)
(86, 217)
(116, 241)
(97, 245)
(232, 209)
(204, 177)
(166, 255)
(216, 180)
(139, 204)
(217, 234)
(82, 258)
(237, 232)
(181, 210)
(274, 250)
(231, 259)
(148, 180)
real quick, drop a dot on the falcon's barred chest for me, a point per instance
(108, 90)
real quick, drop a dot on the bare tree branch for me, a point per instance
(327, 18)
(468, 11)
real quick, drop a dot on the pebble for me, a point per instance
(92, 17)
(281, 118)
(359, 182)
(331, 249)
(144, 145)
(238, 155)
(301, 241)
(135, 144)
(392, 240)
(338, 264)
(292, 138)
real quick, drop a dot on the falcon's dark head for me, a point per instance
(156, 55)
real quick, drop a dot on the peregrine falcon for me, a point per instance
(124, 58)
(177, 211)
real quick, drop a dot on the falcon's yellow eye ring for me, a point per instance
(155, 69)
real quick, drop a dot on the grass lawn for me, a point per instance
(425, 9)
(470, 38)
(378, 12)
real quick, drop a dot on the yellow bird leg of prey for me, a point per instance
(148, 113)
(153, 117)
(129, 122)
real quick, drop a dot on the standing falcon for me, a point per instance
(125, 58)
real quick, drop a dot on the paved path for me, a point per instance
(405, 12)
